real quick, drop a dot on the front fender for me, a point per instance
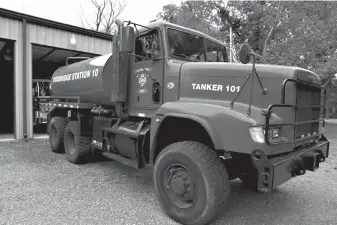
(208, 127)
(227, 128)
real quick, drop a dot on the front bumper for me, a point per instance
(275, 171)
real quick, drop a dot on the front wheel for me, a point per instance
(192, 183)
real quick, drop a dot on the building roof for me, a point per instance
(53, 24)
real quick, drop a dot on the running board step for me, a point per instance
(121, 159)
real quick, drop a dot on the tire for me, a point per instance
(210, 176)
(77, 147)
(56, 129)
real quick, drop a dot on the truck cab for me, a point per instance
(167, 98)
(161, 49)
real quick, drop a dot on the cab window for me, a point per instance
(215, 52)
(148, 46)
(185, 46)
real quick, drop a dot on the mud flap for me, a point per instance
(272, 172)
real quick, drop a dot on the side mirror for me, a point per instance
(334, 80)
(127, 39)
(245, 53)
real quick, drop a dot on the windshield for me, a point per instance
(192, 47)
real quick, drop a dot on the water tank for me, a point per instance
(91, 80)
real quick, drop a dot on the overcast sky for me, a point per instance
(69, 11)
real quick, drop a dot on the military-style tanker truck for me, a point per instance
(167, 98)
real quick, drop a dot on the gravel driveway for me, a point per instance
(41, 187)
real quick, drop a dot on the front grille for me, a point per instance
(307, 95)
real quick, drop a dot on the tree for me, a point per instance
(198, 15)
(255, 22)
(106, 12)
(293, 33)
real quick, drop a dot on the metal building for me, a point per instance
(29, 47)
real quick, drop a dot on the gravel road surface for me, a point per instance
(41, 187)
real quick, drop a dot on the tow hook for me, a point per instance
(321, 156)
(299, 168)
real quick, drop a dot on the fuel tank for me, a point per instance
(91, 80)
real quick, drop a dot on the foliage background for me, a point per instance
(295, 33)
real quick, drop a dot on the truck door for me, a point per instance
(147, 73)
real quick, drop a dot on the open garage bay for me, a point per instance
(46, 60)
(7, 88)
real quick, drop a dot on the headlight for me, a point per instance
(257, 134)
(274, 132)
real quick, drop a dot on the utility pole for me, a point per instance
(230, 39)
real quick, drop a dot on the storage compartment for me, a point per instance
(100, 122)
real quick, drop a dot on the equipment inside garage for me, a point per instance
(7, 87)
(45, 61)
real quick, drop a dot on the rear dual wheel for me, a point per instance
(192, 183)
(65, 136)
(56, 130)
(77, 147)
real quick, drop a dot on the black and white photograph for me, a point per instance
(168, 112)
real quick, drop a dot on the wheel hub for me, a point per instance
(178, 186)
(181, 185)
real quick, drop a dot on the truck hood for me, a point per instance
(219, 83)
(235, 70)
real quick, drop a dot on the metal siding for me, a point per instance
(64, 40)
(104, 46)
(61, 39)
(90, 44)
(85, 44)
(9, 29)
(79, 39)
(41, 35)
(97, 45)
(32, 31)
(56, 37)
(49, 36)
(15, 30)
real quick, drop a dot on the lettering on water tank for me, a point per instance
(76, 76)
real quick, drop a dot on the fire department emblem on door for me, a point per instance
(142, 79)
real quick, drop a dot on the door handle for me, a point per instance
(156, 92)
